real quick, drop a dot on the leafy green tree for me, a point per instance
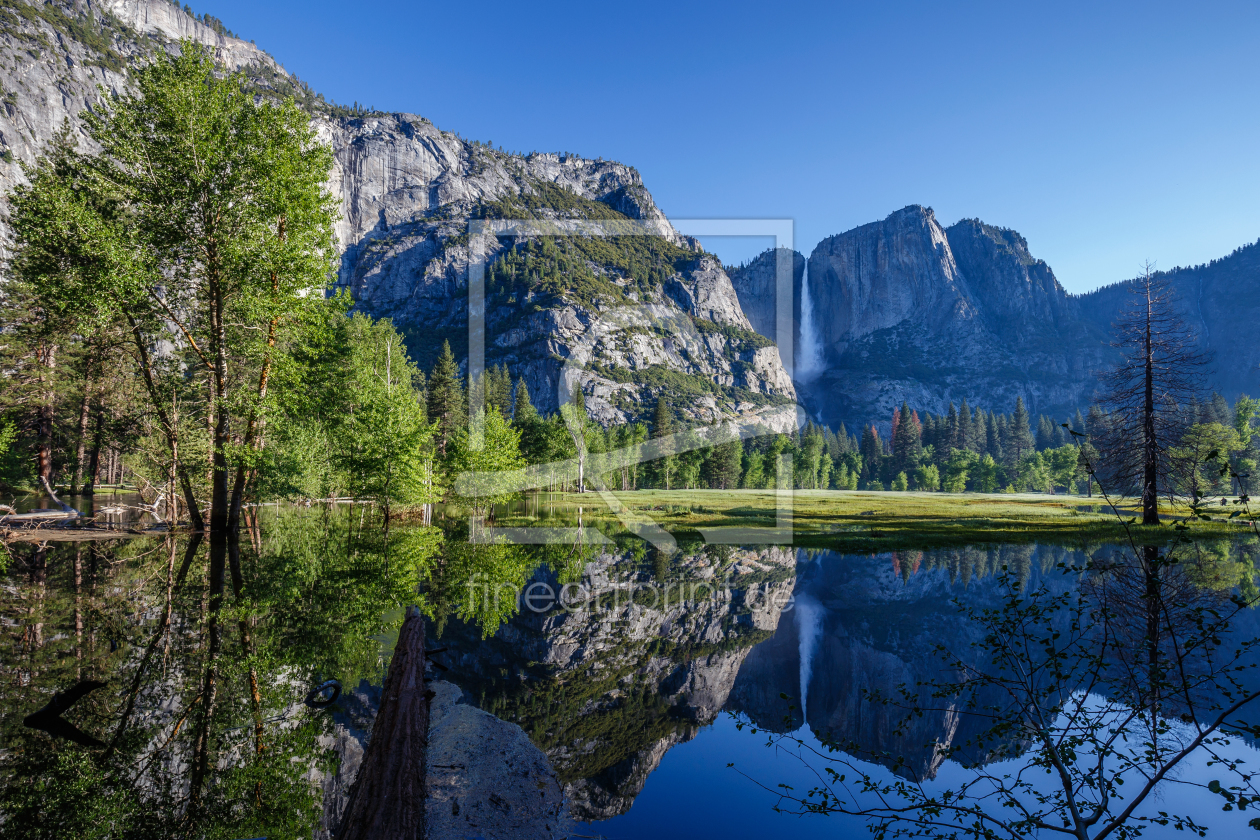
(845, 478)
(1202, 458)
(1062, 463)
(754, 471)
(985, 474)
(958, 469)
(384, 442)
(809, 458)
(1033, 474)
(927, 477)
(485, 479)
(577, 424)
(1245, 412)
(227, 196)
(689, 463)
(900, 482)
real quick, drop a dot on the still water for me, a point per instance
(638, 673)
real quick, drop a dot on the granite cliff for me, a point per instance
(910, 310)
(407, 191)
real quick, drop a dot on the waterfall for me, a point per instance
(809, 629)
(810, 359)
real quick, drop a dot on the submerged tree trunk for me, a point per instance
(1152, 597)
(210, 687)
(387, 799)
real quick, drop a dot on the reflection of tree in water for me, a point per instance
(884, 616)
(208, 651)
(1099, 667)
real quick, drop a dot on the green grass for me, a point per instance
(862, 521)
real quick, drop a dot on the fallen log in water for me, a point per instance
(386, 801)
(40, 515)
(30, 528)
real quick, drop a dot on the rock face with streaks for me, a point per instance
(874, 628)
(408, 193)
(55, 57)
(910, 311)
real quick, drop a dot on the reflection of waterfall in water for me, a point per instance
(808, 628)
(810, 360)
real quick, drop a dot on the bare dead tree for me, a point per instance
(1146, 395)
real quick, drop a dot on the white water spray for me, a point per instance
(810, 360)
(809, 629)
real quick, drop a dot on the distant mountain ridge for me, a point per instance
(912, 311)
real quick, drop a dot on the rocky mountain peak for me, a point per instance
(882, 274)
(1015, 291)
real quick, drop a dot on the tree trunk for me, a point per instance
(47, 355)
(1150, 444)
(168, 428)
(220, 492)
(387, 799)
(85, 409)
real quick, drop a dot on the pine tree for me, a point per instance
(978, 432)
(952, 433)
(1078, 422)
(1219, 411)
(964, 426)
(446, 398)
(993, 439)
(906, 444)
(872, 452)
(1019, 438)
(1045, 433)
(499, 390)
(723, 465)
(523, 412)
(663, 469)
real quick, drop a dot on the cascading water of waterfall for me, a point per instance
(809, 629)
(810, 359)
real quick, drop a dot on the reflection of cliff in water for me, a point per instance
(882, 616)
(607, 691)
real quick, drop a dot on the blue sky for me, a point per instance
(1105, 133)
